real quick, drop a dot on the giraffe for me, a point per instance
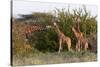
(82, 42)
(62, 38)
(27, 32)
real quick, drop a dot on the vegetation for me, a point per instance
(54, 58)
(41, 46)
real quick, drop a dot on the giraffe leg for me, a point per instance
(60, 46)
(86, 46)
(69, 45)
(78, 46)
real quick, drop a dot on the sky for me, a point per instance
(27, 7)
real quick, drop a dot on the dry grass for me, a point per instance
(53, 58)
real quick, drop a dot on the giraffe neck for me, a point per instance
(57, 29)
(75, 32)
(60, 33)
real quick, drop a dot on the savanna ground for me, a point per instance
(54, 58)
(42, 47)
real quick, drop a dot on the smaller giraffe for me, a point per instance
(82, 42)
(62, 38)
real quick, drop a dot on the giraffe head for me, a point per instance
(55, 26)
(55, 23)
(77, 18)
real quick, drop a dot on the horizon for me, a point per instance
(28, 7)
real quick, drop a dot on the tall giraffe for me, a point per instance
(81, 40)
(62, 38)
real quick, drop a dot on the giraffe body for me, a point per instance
(82, 42)
(27, 32)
